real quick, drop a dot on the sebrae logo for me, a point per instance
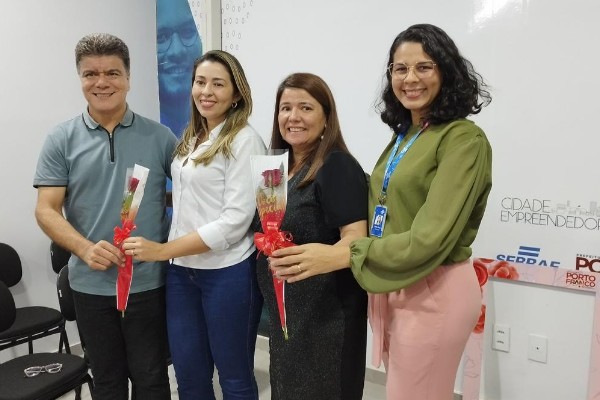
(528, 255)
(587, 262)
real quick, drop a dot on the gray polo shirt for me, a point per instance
(81, 155)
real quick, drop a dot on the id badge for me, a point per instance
(378, 221)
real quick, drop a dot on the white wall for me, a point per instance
(537, 55)
(40, 88)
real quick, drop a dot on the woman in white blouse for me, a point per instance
(213, 301)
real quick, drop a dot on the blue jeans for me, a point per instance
(212, 320)
(122, 348)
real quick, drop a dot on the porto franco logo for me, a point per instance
(528, 255)
(580, 280)
(587, 262)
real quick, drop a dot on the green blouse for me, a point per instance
(436, 199)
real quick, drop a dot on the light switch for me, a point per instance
(501, 337)
(538, 348)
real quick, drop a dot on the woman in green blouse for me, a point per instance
(427, 196)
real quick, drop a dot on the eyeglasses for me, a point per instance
(35, 371)
(164, 37)
(423, 69)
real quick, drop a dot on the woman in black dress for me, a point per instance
(324, 357)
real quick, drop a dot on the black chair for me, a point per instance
(65, 301)
(59, 257)
(33, 322)
(46, 385)
(65, 294)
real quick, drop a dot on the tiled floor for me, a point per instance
(373, 391)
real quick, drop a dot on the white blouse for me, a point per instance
(217, 201)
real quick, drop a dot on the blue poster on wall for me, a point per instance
(178, 45)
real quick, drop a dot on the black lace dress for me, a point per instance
(324, 357)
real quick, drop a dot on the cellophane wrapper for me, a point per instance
(269, 176)
(135, 183)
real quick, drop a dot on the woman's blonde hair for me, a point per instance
(237, 116)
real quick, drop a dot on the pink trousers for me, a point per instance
(420, 332)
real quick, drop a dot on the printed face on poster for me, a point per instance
(178, 45)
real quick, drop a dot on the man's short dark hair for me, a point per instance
(101, 44)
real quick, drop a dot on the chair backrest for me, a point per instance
(59, 257)
(65, 294)
(11, 269)
(8, 311)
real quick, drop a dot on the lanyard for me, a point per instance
(394, 159)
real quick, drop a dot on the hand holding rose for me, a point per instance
(102, 256)
(300, 262)
(142, 249)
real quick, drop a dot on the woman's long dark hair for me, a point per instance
(462, 93)
(332, 135)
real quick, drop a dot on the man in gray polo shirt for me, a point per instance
(80, 179)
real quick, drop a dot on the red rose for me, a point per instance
(481, 271)
(481, 321)
(504, 270)
(133, 184)
(272, 177)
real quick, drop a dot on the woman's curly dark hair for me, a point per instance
(461, 87)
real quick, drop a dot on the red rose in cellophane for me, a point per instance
(135, 182)
(272, 177)
(271, 201)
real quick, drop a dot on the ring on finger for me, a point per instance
(299, 268)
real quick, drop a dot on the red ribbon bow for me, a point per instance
(272, 240)
(123, 232)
